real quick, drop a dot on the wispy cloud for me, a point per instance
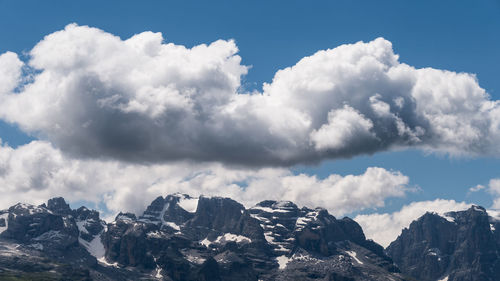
(477, 188)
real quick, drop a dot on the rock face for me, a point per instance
(183, 238)
(41, 228)
(213, 238)
(456, 246)
(42, 242)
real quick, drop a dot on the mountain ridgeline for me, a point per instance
(458, 246)
(212, 238)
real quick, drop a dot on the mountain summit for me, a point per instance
(457, 246)
(179, 237)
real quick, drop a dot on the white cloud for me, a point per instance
(494, 190)
(345, 126)
(145, 100)
(37, 171)
(385, 228)
(477, 188)
(10, 72)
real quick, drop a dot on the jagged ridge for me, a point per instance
(456, 246)
(207, 238)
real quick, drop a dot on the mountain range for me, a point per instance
(179, 237)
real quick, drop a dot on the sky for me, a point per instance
(379, 110)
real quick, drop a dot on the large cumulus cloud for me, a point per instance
(37, 171)
(144, 100)
(10, 72)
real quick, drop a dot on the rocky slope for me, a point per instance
(456, 246)
(184, 238)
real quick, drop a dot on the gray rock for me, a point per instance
(462, 246)
(218, 240)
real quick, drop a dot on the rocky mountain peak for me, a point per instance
(478, 208)
(171, 211)
(460, 245)
(22, 208)
(277, 205)
(179, 237)
(59, 206)
(125, 217)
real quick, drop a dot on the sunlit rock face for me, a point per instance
(456, 246)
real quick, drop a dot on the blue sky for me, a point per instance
(460, 36)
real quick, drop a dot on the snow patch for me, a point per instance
(188, 203)
(94, 247)
(81, 226)
(158, 269)
(205, 242)
(10, 249)
(270, 210)
(477, 208)
(302, 257)
(259, 218)
(32, 209)
(154, 234)
(434, 252)
(303, 221)
(283, 204)
(172, 225)
(162, 214)
(282, 261)
(269, 238)
(106, 263)
(450, 219)
(353, 255)
(123, 218)
(226, 238)
(194, 259)
(446, 217)
(233, 237)
(168, 223)
(67, 222)
(158, 273)
(281, 248)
